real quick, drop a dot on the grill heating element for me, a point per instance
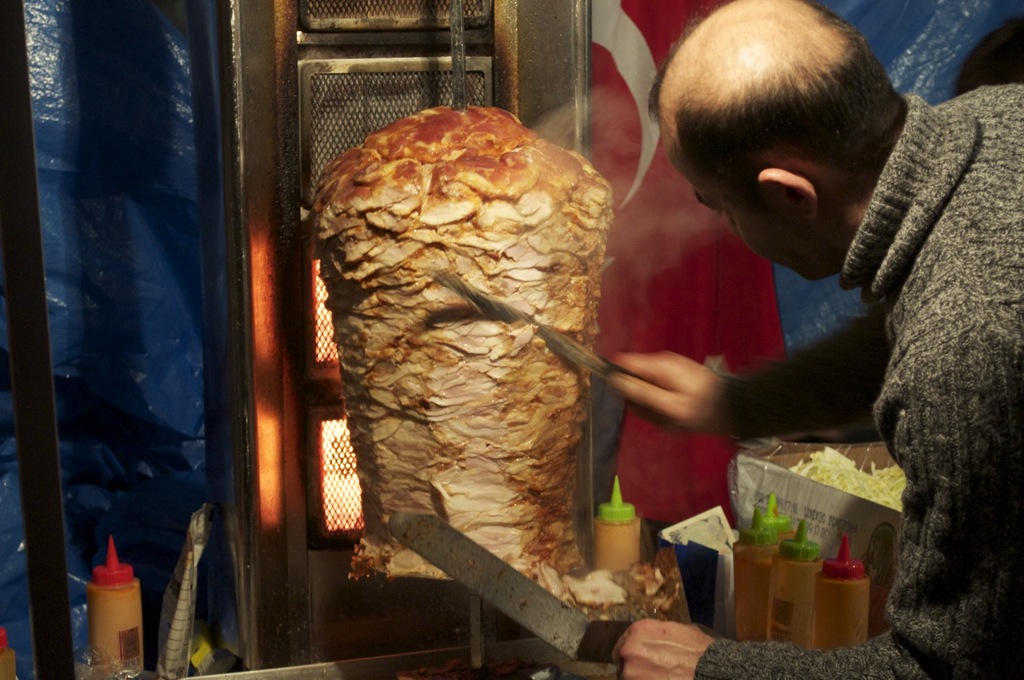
(340, 493)
(341, 514)
(301, 81)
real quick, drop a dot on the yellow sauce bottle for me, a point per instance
(616, 533)
(752, 567)
(7, 669)
(791, 603)
(114, 604)
(782, 524)
(841, 599)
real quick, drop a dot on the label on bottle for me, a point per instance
(130, 643)
(782, 620)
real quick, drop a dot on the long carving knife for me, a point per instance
(517, 596)
(558, 342)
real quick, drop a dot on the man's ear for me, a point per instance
(788, 193)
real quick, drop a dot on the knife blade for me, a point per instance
(514, 594)
(558, 342)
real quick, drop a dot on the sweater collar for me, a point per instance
(924, 168)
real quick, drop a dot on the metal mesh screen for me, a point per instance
(341, 494)
(345, 107)
(394, 13)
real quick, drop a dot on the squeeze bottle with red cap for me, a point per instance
(791, 604)
(114, 603)
(616, 533)
(7, 668)
(841, 599)
(782, 524)
(752, 567)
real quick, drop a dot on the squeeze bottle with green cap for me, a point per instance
(616, 533)
(114, 603)
(7, 667)
(841, 599)
(783, 524)
(791, 601)
(752, 566)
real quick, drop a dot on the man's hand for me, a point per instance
(659, 649)
(675, 392)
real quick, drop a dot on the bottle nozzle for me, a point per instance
(113, 572)
(844, 549)
(112, 561)
(759, 532)
(782, 524)
(616, 510)
(798, 547)
(843, 566)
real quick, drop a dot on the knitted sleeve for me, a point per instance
(831, 384)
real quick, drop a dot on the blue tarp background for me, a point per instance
(117, 183)
(117, 178)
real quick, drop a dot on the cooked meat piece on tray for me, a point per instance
(450, 413)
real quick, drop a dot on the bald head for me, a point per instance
(746, 46)
(760, 76)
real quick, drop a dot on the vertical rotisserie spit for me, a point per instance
(450, 413)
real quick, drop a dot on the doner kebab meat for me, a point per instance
(449, 413)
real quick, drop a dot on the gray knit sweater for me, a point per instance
(942, 245)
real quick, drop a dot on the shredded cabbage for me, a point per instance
(882, 485)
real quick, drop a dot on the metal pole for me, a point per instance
(458, 55)
(35, 425)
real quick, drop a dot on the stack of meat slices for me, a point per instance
(451, 414)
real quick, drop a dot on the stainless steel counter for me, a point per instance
(378, 668)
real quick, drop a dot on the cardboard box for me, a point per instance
(873, 529)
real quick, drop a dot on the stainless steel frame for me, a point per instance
(389, 666)
(540, 72)
(35, 413)
(396, 15)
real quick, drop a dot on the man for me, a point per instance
(779, 116)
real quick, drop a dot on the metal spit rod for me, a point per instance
(458, 55)
(459, 102)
